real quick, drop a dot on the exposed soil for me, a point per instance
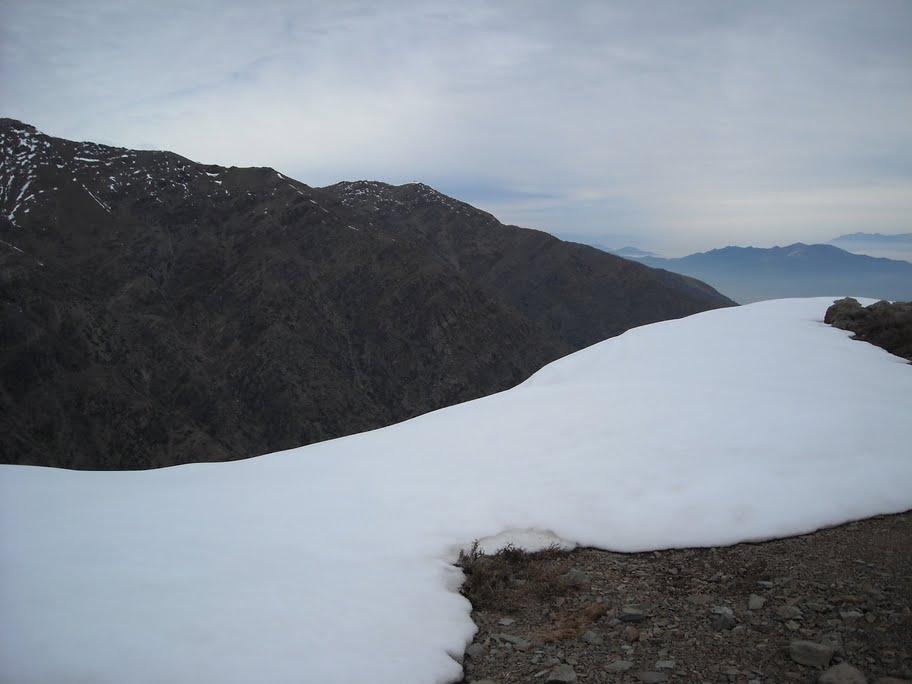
(697, 615)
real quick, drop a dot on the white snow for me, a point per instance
(332, 562)
(8, 244)
(100, 203)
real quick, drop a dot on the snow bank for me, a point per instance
(331, 563)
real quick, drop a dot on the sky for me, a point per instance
(671, 126)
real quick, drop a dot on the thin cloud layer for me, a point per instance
(683, 125)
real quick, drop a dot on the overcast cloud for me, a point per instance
(677, 126)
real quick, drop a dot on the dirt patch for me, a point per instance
(724, 614)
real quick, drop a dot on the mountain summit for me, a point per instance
(159, 311)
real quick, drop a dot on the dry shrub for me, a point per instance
(510, 578)
(572, 626)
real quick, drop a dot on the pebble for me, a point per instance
(631, 633)
(591, 637)
(819, 606)
(619, 666)
(652, 677)
(475, 651)
(810, 653)
(789, 612)
(755, 602)
(723, 622)
(505, 622)
(665, 665)
(832, 640)
(631, 614)
(518, 643)
(575, 578)
(842, 674)
(562, 674)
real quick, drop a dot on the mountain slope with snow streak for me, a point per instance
(332, 562)
(157, 311)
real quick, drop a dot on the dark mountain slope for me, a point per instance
(156, 311)
(570, 290)
(751, 273)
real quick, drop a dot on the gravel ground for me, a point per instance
(729, 614)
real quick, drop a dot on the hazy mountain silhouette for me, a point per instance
(897, 246)
(748, 274)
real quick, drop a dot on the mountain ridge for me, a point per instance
(159, 311)
(799, 269)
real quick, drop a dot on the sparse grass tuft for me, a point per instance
(512, 577)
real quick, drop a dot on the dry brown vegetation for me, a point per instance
(512, 578)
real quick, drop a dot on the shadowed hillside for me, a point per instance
(158, 311)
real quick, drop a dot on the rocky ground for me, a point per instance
(833, 606)
(885, 324)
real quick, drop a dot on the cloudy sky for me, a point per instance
(669, 125)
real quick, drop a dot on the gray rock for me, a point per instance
(833, 640)
(575, 578)
(631, 614)
(810, 653)
(517, 642)
(505, 622)
(475, 651)
(591, 637)
(842, 674)
(665, 665)
(789, 612)
(722, 622)
(723, 610)
(819, 606)
(562, 674)
(850, 615)
(619, 666)
(652, 677)
(755, 602)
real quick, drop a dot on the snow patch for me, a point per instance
(332, 562)
(530, 540)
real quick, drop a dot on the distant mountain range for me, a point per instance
(875, 238)
(897, 246)
(632, 253)
(749, 274)
(156, 311)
